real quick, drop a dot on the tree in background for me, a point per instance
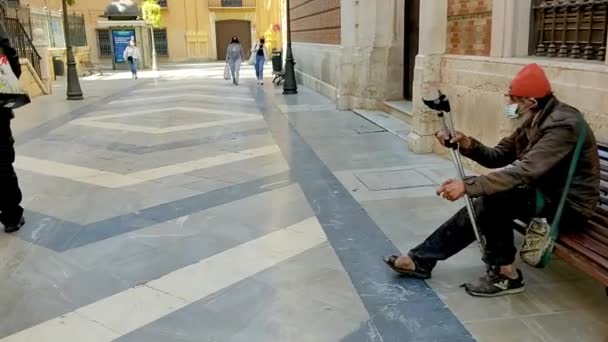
(150, 11)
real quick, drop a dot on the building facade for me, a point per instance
(470, 49)
(192, 30)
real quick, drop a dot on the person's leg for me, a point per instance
(232, 66)
(237, 67)
(11, 212)
(262, 62)
(257, 68)
(260, 67)
(135, 66)
(494, 215)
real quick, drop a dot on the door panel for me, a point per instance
(412, 32)
(224, 31)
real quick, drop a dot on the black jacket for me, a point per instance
(13, 59)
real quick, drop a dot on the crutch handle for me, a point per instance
(449, 144)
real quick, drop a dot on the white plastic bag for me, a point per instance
(227, 72)
(253, 56)
(12, 94)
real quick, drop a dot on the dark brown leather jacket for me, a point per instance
(539, 154)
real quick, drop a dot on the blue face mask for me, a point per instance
(512, 111)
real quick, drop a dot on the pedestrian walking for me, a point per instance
(234, 58)
(554, 174)
(11, 212)
(132, 56)
(261, 56)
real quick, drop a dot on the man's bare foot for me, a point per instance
(404, 262)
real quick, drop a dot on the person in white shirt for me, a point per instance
(132, 56)
(261, 53)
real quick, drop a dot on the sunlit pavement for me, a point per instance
(178, 207)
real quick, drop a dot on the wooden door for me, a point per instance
(224, 30)
(412, 32)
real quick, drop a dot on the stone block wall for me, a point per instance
(316, 21)
(81, 54)
(316, 67)
(28, 81)
(476, 87)
(469, 27)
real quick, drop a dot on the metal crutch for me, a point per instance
(442, 105)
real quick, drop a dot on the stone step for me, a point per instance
(402, 109)
(389, 122)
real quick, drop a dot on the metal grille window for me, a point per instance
(78, 33)
(104, 43)
(160, 42)
(570, 29)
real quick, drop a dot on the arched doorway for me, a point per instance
(225, 29)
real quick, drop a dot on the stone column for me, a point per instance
(212, 36)
(41, 43)
(371, 62)
(433, 35)
(606, 46)
(510, 28)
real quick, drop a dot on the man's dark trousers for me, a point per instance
(495, 214)
(10, 197)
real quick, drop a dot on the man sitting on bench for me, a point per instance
(539, 154)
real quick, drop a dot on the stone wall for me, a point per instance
(476, 87)
(469, 27)
(316, 21)
(81, 54)
(28, 80)
(317, 67)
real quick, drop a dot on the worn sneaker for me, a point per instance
(15, 227)
(494, 284)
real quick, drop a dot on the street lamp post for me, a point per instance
(74, 91)
(154, 63)
(290, 86)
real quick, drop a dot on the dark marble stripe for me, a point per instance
(60, 235)
(400, 309)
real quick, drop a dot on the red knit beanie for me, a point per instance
(530, 82)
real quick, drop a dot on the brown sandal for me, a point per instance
(390, 261)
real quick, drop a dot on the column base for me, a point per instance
(420, 143)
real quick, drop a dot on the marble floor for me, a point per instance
(179, 207)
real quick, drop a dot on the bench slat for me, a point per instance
(598, 229)
(587, 247)
(604, 165)
(599, 219)
(604, 186)
(584, 264)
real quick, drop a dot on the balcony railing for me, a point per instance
(232, 3)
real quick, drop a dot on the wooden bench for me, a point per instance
(91, 69)
(587, 249)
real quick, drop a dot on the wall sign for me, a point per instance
(121, 39)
